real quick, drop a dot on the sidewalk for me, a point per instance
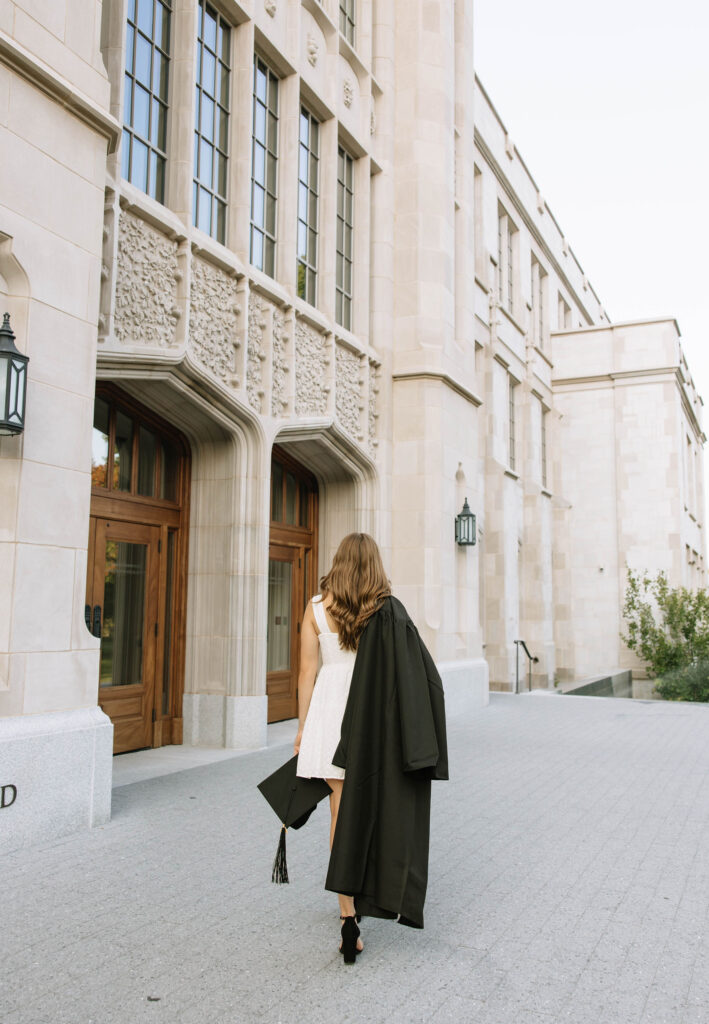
(569, 881)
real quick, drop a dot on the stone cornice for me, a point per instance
(441, 378)
(39, 74)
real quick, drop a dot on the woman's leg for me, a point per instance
(347, 907)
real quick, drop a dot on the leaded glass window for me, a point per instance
(345, 238)
(308, 172)
(264, 168)
(211, 136)
(144, 147)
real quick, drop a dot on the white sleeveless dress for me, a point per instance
(321, 732)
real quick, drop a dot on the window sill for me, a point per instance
(511, 474)
(511, 319)
(269, 287)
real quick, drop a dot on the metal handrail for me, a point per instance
(532, 661)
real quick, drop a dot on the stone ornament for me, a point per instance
(347, 390)
(311, 361)
(373, 408)
(348, 92)
(312, 48)
(214, 311)
(372, 123)
(147, 274)
(279, 386)
(270, 6)
(256, 353)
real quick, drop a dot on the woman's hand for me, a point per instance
(296, 745)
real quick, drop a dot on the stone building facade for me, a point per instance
(281, 274)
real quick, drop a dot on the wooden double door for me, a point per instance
(292, 578)
(135, 591)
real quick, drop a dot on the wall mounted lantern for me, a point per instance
(465, 526)
(13, 382)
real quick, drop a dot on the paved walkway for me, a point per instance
(569, 882)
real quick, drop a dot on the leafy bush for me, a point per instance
(668, 628)
(688, 683)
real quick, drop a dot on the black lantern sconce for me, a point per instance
(13, 382)
(465, 526)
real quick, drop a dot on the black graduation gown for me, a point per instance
(393, 742)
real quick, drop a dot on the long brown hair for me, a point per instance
(357, 584)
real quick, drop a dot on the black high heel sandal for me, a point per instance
(350, 934)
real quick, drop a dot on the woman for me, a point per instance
(353, 589)
(372, 724)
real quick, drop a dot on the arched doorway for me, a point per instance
(292, 577)
(136, 573)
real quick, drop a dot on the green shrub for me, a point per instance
(688, 683)
(668, 627)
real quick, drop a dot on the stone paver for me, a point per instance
(569, 882)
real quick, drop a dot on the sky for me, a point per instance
(608, 104)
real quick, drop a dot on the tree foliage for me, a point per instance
(668, 627)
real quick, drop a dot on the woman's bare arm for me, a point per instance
(307, 671)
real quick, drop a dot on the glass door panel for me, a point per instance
(282, 632)
(123, 614)
(278, 644)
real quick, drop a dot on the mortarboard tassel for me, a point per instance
(280, 867)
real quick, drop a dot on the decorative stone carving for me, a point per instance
(373, 407)
(310, 365)
(270, 6)
(312, 47)
(347, 390)
(214, 311)
(146, 285)
(279, 385)
(256, 352)
(372, 123)
(348, 92)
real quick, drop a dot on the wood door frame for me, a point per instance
(170, 517)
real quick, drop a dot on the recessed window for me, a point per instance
(544, 446)
(347, 20)
(564, 316)
(308, 175)
(345, 238)
(145, 98)
(506, 232)
(539, 319)
(511, 435)
(211, 135)
(264, 168)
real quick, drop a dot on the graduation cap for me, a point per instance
(293, 799)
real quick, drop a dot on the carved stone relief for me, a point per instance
(312, 46)
(310, 367)
(348, 92)
(270, 6)
(373, 407)
(146, 285)
(279, 386)
(347, 390)
(256, 353)
(214, 311)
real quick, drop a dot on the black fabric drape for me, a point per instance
(393, 743)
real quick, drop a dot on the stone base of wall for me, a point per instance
(55, 775)
(212, 720)
(466, 686)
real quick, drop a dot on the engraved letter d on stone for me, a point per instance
(11, 792)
